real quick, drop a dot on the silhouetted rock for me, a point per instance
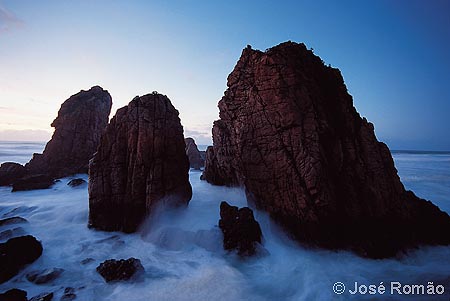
(76, 182)
(195, 158)
(44, 276)
(120, 270)
(12, 221)
(240, 230)
(11, 172)
(33, 182)
(141, 162)
(81, 120)
(43, 297)
(288, 133)
(14, 295)
(16, 253)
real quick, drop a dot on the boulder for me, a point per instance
(141, 163)
(288, 132)
(32, 182)
(78, 127)
(120, 270)
(14, 295)
(76, 182)
(11, 172)
(16, 253)
(241, 232)
(195, 157)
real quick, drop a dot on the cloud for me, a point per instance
(9, 21)
(25, 135)
(202, 137)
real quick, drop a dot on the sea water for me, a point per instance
(181, 250)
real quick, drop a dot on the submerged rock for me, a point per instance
(14, 295)
(33, 182)
(69, 294)
(16, 253)
(44, 276)
(76, 182)
(141, 163)
(78, 127)
(240, 230)
(289, 134)
(11, 172)
(195, 157)
(12, 221)
(120, 270)
(43, 297)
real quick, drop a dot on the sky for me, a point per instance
(394, 56)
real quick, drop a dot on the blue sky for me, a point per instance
(393, 56)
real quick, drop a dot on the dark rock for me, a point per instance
(44, 276)
(195, 158)
(9, 233)
(81, 120)
(14, 295)
(240, 230)
(141, 162)
(43, 297)
(87, 261)
(12, 221)
(11, 172)
(118, 270)
(76, 182)
(289, 134)
(33, 182)
(69, 294)
(16, 253)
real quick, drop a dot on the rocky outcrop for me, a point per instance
(16, 253)
(32, 182)
(241, 232)
(10, 172)
(120, 270)
(78, 128)
(288, 133)
(141, 163)
(195, 157)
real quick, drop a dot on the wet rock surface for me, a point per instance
(44, 276)
(120, 270)
(43, 297)
(289, 134)
(76, 182)
(33, 182)
(141, 163)
(11, 172)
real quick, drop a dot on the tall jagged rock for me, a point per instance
(288, 133)
(78, 127)
(195, 158)
(141, 162)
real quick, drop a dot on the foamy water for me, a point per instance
(181, 250)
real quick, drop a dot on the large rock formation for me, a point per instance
(195, 158)
(78, 128)
(288, 133)
(141, 162)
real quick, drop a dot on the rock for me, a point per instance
(16, 253)
(119, 270)
(87, 261)
(12, 221)
(44, 276)
(43, 297)
(76, 182)
(33, 182)
(289, 134)
(141, 162)
(9, 233)
(11, 172)
(14, 295)
(69, 294)
(195, 158)
(240, 230)
(81, 120)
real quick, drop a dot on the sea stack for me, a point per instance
(78, 127)
(140, 163)
(196, 160)
(288, 132)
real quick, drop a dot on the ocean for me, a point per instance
(181, 250)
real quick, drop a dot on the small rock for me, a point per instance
(14, 295)
(76, 182)
(16, 253)
(33, 182)
(69, 294)
(12, 220)
(241, 231)
(10, 233)
(42, 297)
(44, 276)
(87, 260)
(11, 172)
(117, 270)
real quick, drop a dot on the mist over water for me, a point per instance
(19, 152)
(181, 250)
